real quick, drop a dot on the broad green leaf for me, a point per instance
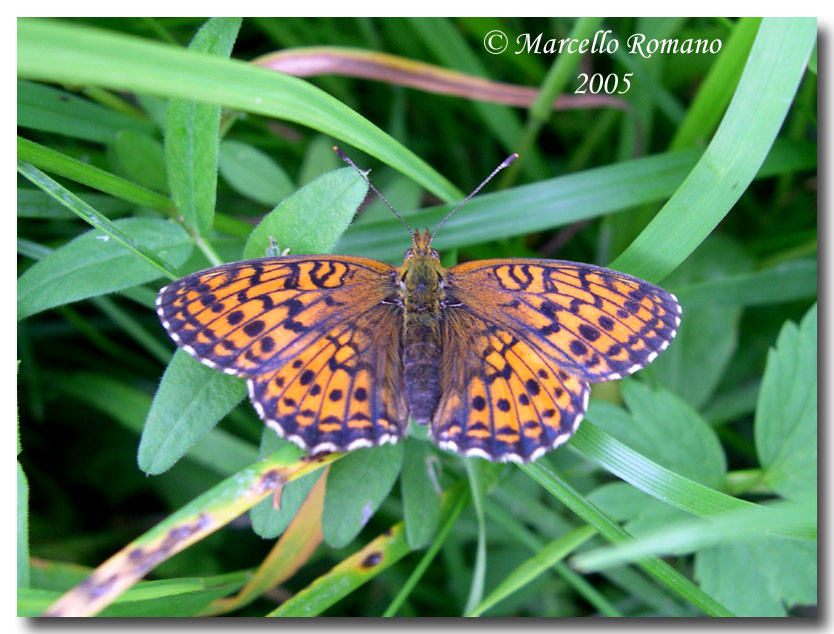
(191, 136)
(786, 413)
(401, 192)
(356, 486)
(95, 264)
(141, 159)
(640, 511)
(266, 521)
(190, 401)
(253, 174)
(694, 363)
(319, 158)
(313, 218)
(219, 451)
(760, 578)
(49, 109)
(666, 430)
(421, 497)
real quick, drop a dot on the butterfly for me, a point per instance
(495, 356)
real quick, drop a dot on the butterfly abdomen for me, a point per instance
(421, 370)
(421, 336)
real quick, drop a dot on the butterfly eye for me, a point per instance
(408, 254)
(435, 254)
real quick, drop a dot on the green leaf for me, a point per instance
(694, 364)
(760, 578)
(319, 158)
(190, 401)
(313, 218)
(122, 62)
(649, 433)
(614, 533)
(786, 412)
(191, 136)
(94, 264)
(554, 202)
(715, 90)
(218, 450)
(658, 416)
(547, 557)
(266, 521)
(774, 68)
(34, 203)
(684, 535)
(640, 512)
(162, 598)
(786, 282)
(142, 159)
(56, 163)
(421, 498)
(657, 481)
(48, 109)
(356, 486)
(253, 174)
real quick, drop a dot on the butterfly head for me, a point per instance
(421, 246)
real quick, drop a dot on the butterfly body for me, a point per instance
(423, 296)
(496, 356)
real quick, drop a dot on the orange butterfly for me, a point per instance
(497, 356)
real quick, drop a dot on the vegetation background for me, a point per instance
(702, 177)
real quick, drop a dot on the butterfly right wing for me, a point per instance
(502, 398)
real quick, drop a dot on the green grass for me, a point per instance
(149, 148)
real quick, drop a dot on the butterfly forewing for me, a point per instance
(251, 317)
(592, 322)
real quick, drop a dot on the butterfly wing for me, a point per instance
(341, 392)
(250, 317)
(592, 322)
(502, 398)
(522, 340)
(314, 336)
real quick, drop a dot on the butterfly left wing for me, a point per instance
(316, 336)
(594, 323)
(251, 317)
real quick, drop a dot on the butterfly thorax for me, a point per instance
(421, 288)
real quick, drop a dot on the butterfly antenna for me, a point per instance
(505, 163)
(345, 158)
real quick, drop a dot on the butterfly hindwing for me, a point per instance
(251, 317)
(341, 392)
(501, 398)
(592, 322)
